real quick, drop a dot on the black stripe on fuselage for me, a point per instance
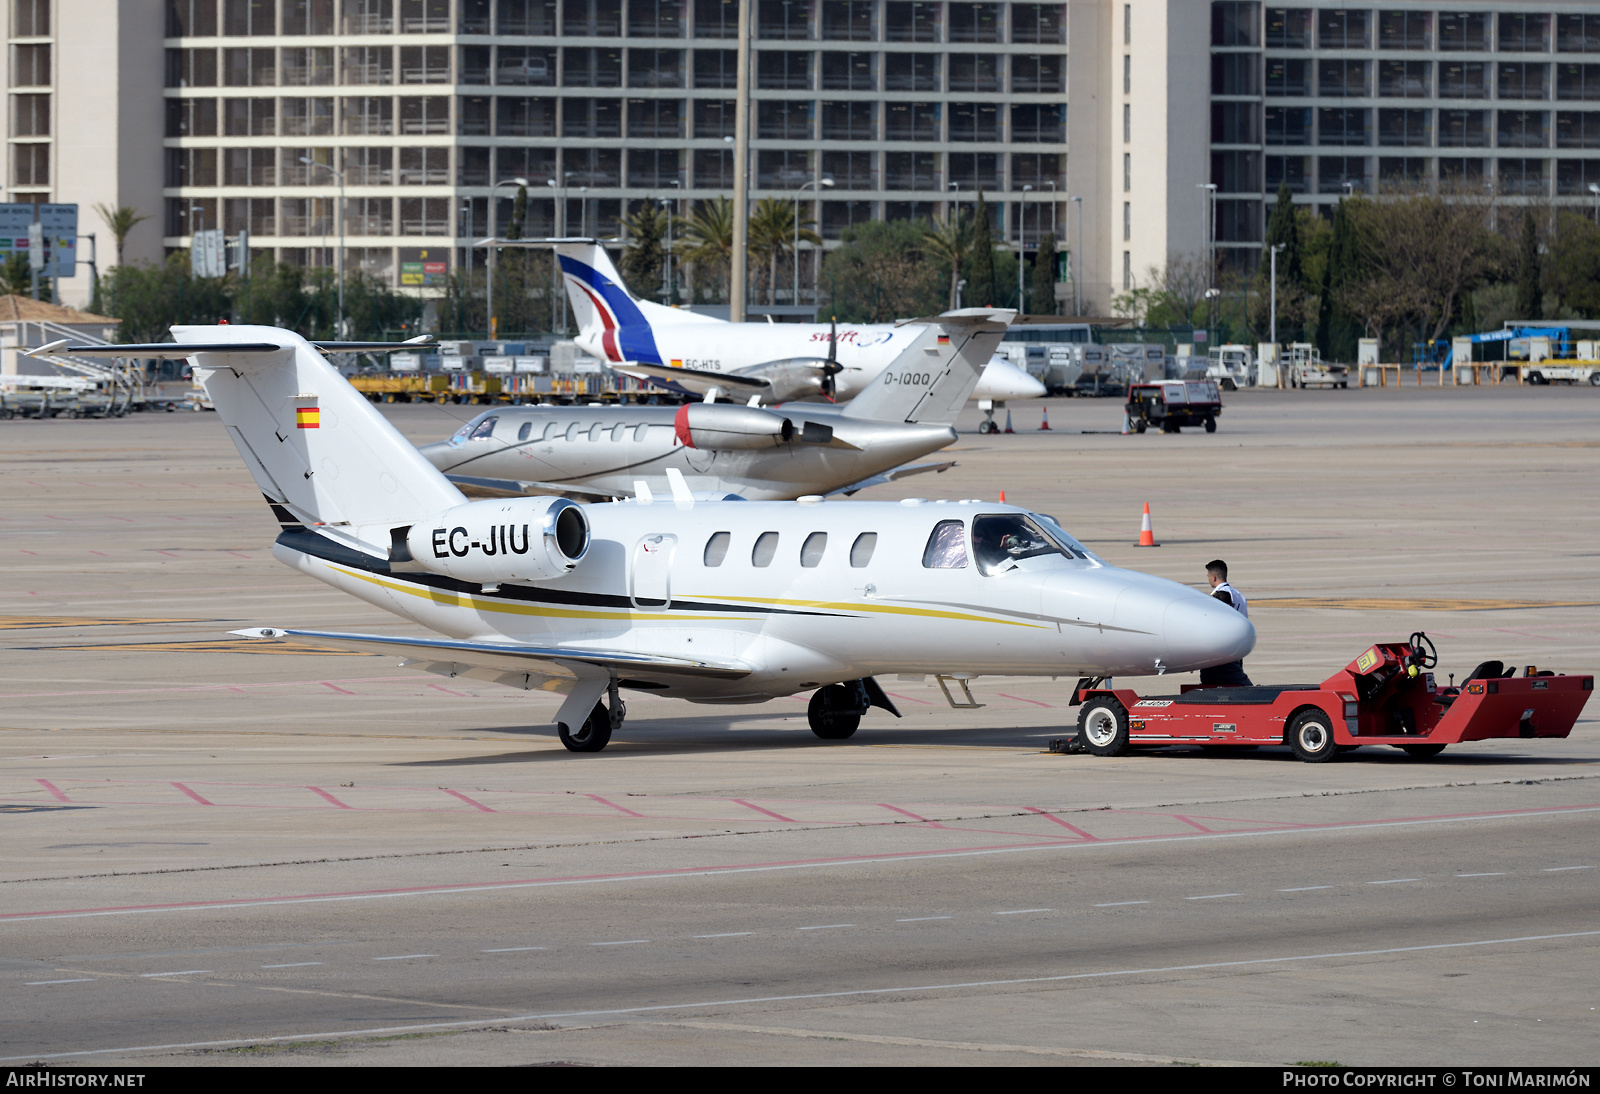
(308, 542)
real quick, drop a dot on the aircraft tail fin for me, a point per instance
(934, 376)
(613, 323)
(314, 445)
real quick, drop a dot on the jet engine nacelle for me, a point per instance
(510, 539)
(723, 425)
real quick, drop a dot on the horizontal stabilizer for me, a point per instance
(476, 487)
(528, 667)
(895, 476)
(167, 351)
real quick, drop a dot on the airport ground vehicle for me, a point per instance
(1305, 367)
(1232, 366)
(1173, 404)
(1386, 696)
(1557, 371)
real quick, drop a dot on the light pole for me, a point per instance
(1022, 246)
(339, 262)
(560, 229)
(1077, 259)
(583, 211)
(489, 264)
(1273, 336)
(1594, 188)
(666, 258)
(961, 284)
(1210, 233)
(819, 183)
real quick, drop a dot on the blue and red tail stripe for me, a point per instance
(627, 335)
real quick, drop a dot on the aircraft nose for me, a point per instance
(439, 454)
(1003, 380)
(1201, 631)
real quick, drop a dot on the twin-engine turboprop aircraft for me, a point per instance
(696, 354)
(757, 453)
(710, 601)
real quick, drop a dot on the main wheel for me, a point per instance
(1170, 426)
(1211, 425)
(831, 713)
(1140, 426)
(1311, 737)
(592, 736)
(1422, 752)
(1594, 378)
(1103, 727)
(1229, 385)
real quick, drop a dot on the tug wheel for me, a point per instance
(1311, 737)
(1422, 752)
(1103, 727)
(592, 736)
(830, 713)
(1211, 425)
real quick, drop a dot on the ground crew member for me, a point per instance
(1231, 674)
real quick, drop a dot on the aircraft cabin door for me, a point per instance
(650, 571)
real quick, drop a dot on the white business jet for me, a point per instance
(709, 601)
(696, 354)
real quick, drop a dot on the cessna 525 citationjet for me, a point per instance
(709, 601)
(757, 453)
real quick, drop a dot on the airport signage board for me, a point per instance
(497, 364)
(405, 362)
(529, 364)
(58, 231)
(423, 267)
(208, 255)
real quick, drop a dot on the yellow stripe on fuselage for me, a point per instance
(460, 600)
(881, 609)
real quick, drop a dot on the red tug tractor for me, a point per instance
(1386, 696)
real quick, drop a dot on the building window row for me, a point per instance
(1409, 127)
(1449, 31)
(1292, 77)
(831, 20)
(593, 66)
(638, 168)
(524, 116)
(1341, 174)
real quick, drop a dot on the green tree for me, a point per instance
(646, 228)
(1530, 294)
(948, 242)
(980, 275)
(150, 298)
(121, 221)
(1294, 301)
(16, 275)
(1043, 297)
(708, 248)
(1336, 330)
(881, 273)
(1572, 269)
(772, 236)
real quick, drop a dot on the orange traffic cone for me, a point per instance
(1002, 497)
(1008, 428)
(1126, 426)
(1046, 423)
(1147, 534)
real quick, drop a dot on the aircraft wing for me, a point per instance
(476, 487)
(526, 667)
(894, 476)
(698, 381)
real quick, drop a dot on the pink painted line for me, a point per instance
(193, 795)
(125, 520)
(458, 794)
(35, 553)
(908, 813)
(321, 793)
(238, 554)
(68, 520)
(758, 809)
(102, 554)
(169, 554)
(1052, 817)
(336, 687)
(1196, 825)
(447, 691)
(197, 687)
(55, 791)
(746, 867)
(618, 808)
(907, 698)
(1020, 699)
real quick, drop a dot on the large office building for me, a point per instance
(1136, 131)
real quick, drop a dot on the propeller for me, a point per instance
(831, 367)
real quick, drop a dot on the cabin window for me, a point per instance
(597, 431)
(765, 550)
(717, 548)
(947, 547)
(619, 431)
(639, 432)
(811, 550)
(484, 429)
(572, 431)
(861, 550)
(527, 428)
(1001, 540)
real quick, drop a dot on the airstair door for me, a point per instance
(650, 571)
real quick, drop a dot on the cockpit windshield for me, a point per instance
(1059, 534)
(1001, 540)
(476, 430)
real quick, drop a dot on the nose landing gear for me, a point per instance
(595, 733)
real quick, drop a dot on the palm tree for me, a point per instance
(707, 243)
(772, 235)
(949, 241)
(121, 221)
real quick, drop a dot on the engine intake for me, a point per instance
(715, 426)
(511, 539)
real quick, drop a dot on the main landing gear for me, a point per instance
(835, 711)
(595, 733)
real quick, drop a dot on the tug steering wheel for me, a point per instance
(1424, 655)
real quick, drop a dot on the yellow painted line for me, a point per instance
(459, 600)
(1445, 604)
(41, 622)
(293, 649)
(883, 609)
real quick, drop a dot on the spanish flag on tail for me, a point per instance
(306, 414)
